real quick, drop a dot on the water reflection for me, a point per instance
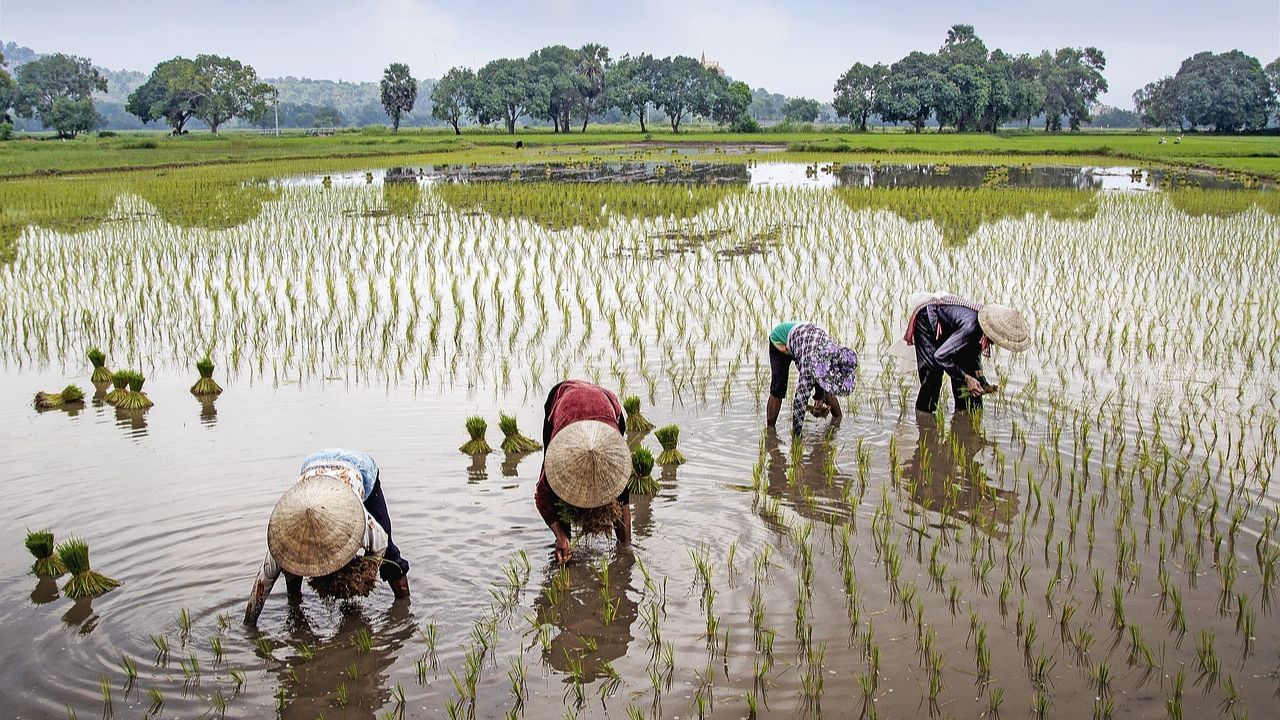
(133, 421)
(813, 486)
(220, 202)
(579, 614)
(208, 411)
(478, 471)
(943, 475)
(511, 462)
(81, 616)
(45, 591)
(342, 679)
(670, 173)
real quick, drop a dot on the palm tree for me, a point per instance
(593, 60)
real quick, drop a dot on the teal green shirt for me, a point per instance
(782, 331)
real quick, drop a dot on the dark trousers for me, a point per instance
(931, 375)
(780, 372)
(393, 565)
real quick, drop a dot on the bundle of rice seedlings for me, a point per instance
(47, 565)
(514, 441)
(477, 445)
(119, 387)
(590, 521)
(205, 385)
(642, 482)
(357, 578)
(70, 395)
(84, 582)
(636, 423)
(100, 372)
(135, 399)
(669, 436)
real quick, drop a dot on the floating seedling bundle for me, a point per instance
(669, 436)
(642, 482)
(84, 582)
(100, 372)
(47, 564)
(134, 399)
(205, 385)
(477, 445)
(513, 441)
(119, 387)
(590, 521)
(636, 423)
(70, 395)
(357, 578)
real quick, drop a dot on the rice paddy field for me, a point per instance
(1099, 542)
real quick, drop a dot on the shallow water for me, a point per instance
(174, 501)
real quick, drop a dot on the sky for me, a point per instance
(793, 48)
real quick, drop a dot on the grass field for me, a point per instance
(1258, 155)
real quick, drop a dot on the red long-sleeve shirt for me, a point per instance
(569, 402)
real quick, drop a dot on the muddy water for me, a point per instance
(174, 502)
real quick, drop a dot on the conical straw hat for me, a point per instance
(1005, 327)
(316, 527)
(588, 463)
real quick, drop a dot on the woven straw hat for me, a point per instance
(1005, 327)
(588, 463)
(316, 527)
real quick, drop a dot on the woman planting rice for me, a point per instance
(319, 526)
(827, 371)
(951, 336)
(586, 466)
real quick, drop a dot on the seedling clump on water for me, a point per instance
(134, 398)
(668, 436)
(84, 582)
(636, 422)
(205, 385)
(119, 387)
(642, 482)
(99, 361)
(513, 441)
(70, 395)
(47, 564)
(477, 445)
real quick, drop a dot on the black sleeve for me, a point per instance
(393, 564)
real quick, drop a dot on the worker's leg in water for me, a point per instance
(394, 567)
(779, 372)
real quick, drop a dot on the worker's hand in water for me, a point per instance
(564, 553)
(819, 409)
(974, 386)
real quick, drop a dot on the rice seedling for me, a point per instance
(636, 422)
(156, 696)
(119, 387)
(47, 564)
(668, 436)
(98, 359)
(134, 399)
(477, 445)
(205, 385)
(84, 581)
(513, 441)
(642, 482)
(70, 395)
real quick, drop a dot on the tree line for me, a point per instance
(1225, 92)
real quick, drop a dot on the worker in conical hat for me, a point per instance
(586, 466)
(827, 371)
(332, 523)
(951, 336)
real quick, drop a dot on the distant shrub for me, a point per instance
(745, 124)
(6, 131)
(140, 145)
(106, 133)
(375, 130)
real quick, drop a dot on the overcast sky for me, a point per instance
(795, 48)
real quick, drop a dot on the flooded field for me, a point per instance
(1099, 542)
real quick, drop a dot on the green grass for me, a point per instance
(30, 155)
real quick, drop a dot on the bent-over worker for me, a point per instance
(951, 336)
(826, 369)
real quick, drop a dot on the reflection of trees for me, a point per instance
(311, 686)
(944, 476)
(1224, 203)
(578, 615)
(814, 487)
(401, 194)
(65, 206)
(560, 205)
(959, 212)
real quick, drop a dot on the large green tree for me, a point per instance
(592, 69)
(6, 91)
(1226, 92)
(629, 86)
(800, 109)
(722, 100)
(505, 88)
(399, 91)
(1156, 105)
(913, 89)
(58, 89)
(1273, 75)
(174, 92)
(450, 100)
(230, 89)
(856, 92)
(680, 87)
(1072, 80)
(554, 85)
